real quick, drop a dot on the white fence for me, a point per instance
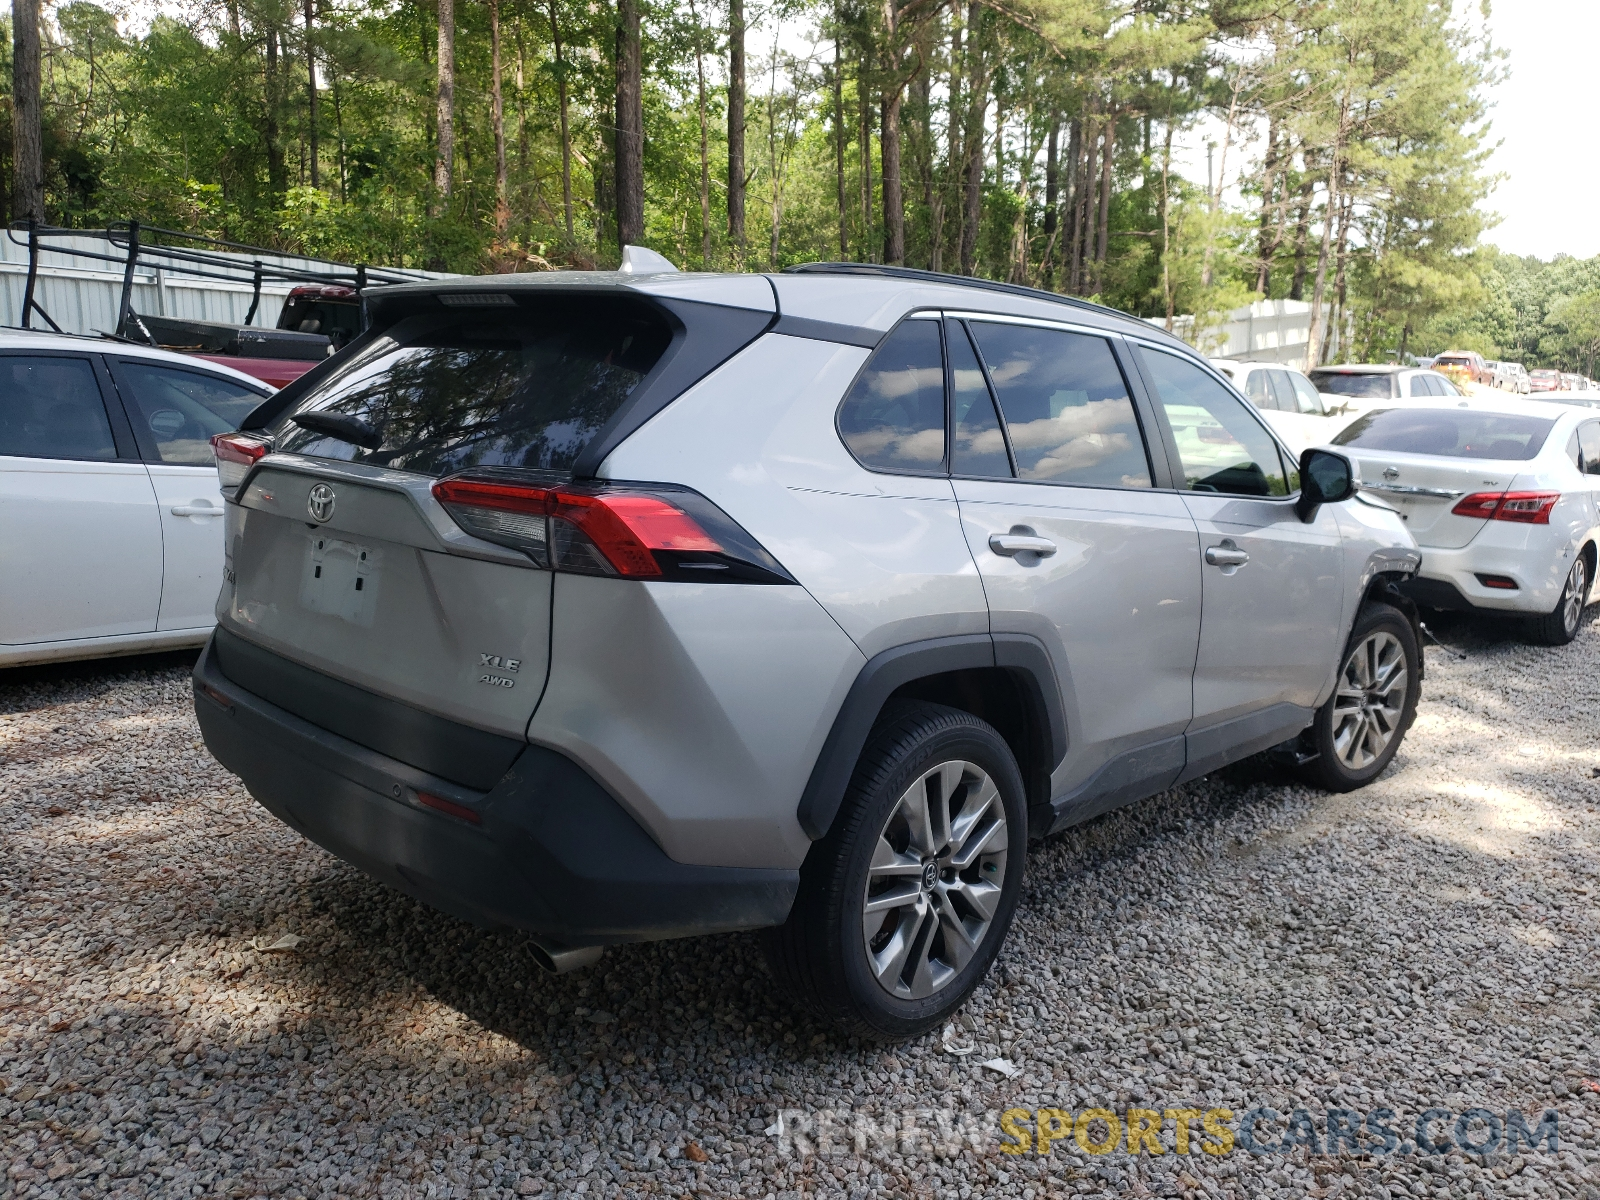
(1276, 331)
(83, 296)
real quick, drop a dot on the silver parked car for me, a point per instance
(616, 607)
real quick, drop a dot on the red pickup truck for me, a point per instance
(316, 321)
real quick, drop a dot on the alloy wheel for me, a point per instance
(1370, 699)
(935, 881)
(1572, 600)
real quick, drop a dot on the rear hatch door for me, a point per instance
(343, 561)
(374, 592)
(1425, 490)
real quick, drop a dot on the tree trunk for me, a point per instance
(863, 90)
(736, 92)
(566, 134)
(1302, 230)
(1318, 288)
(497, 117)
(277, 171)
(1088, 189)
(1340, 282)
(338, 128)
(311, 91)
(630, 126)
(1069, 255)
(1265, 248)
(950, 188)
(1107, 162)
(894, 211)
(892, 97)
(603, 164)
(1168, 292)
(27, 124)
(444, 164)
(1091, 190)
(1052, 191)
(705, 160)
(923, 91)
(977, 105)
(838, 138)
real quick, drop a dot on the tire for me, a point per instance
(912, 961)
(1356, 733)
(1560, 626)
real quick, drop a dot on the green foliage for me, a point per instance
(203, 123)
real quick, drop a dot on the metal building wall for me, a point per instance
(82, 295)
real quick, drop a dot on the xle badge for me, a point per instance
(495, 663)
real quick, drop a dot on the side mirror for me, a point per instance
(1326, 477)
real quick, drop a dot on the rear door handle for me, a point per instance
(1226, 555)
(195, 510)
(1012, 544)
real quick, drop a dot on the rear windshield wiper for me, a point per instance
(342, 426)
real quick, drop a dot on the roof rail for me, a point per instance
(968, 281)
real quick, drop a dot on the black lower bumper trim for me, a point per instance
(554, 853)
(1436, 593)
(468, 756)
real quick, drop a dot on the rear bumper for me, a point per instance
(552, 852)
(1449, 578)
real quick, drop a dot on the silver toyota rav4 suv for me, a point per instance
(615, 607)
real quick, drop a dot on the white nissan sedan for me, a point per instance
(110, 512)
(1500, 494)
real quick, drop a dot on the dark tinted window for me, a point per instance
(51, 408)
(180, 411)
(1065, 405)
(1222, 446)
(1454, 433)
(1348, 383)
(980, 447)
(1589, 440)
(893, 417)
(488, 387)
(1258, 387)
(339, 322)
(1306, 398)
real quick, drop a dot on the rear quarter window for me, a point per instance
(519, 387)
(892, 419)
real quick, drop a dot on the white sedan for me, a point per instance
(1501, 495)
(1287, 400)
(110, 512)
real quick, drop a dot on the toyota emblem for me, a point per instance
(1391, 474)
(320, 502)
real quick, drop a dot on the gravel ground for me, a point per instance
(1242, 941)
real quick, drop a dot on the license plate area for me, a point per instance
(341, 579)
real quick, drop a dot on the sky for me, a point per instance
(1538, 121)
(1541, 118)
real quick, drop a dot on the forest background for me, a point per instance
(1034, 141)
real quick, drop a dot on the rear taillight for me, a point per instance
(1526, 508)
(635, 531)
(236, 454)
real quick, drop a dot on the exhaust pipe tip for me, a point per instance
(559, 960)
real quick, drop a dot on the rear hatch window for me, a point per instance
(1351, 383)
(1452, 433)
(527, 386)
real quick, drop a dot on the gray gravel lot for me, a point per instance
(1242, 941)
